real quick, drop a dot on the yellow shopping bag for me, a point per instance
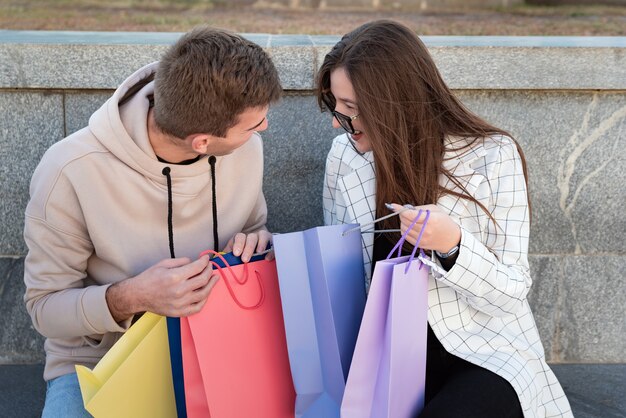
(134, 379)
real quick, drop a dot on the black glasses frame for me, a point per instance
(345, 121)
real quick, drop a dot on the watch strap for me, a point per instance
(450, 253)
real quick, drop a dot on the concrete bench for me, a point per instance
(563, 98)
(594, 390)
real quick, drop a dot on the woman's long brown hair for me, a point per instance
(407, 112)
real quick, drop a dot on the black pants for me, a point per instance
(458, 388)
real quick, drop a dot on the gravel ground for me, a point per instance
(179, 16)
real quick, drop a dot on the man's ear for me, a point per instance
(200, 143)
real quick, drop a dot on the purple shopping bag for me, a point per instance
(388, 371)
(322, 289)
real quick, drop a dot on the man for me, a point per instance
(169, 166)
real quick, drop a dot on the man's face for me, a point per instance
(252, 120)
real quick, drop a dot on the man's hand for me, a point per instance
(245, 245)
(173, 287)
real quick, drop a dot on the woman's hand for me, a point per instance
(441, 232)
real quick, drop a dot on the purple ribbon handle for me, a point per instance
(399, 244)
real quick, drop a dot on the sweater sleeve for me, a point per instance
(491, 272)
(59, 297)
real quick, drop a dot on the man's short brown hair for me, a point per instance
(207, 79)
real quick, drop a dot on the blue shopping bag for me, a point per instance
(176, 360)
(322, 288)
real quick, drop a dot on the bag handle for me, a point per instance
(400, 243)
(242, 281)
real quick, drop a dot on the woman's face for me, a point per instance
(342, 90)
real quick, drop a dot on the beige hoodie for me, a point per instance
(98, 214)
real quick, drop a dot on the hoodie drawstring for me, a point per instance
(216, 241)
(173, 324)
(170, 226)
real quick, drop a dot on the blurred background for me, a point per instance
(315, 17)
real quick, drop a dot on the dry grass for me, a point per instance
(181, 15)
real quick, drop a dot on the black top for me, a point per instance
(185, 162)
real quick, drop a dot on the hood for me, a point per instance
(121, 126)
(122, 129)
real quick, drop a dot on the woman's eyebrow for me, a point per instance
(348, 101)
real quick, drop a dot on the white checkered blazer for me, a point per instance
(478, 309)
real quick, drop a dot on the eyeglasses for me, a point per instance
(345, 121)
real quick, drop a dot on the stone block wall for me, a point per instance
(563, 98)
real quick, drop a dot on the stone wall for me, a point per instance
(563, 98)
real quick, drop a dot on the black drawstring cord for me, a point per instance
(170, 225)
(216, 241)
(173, 324)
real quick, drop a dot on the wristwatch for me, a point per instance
(450, 253)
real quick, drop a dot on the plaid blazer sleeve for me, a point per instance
(491, 272)
(330, 189)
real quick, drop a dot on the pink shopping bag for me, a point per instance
(388, 371)
(235, 359)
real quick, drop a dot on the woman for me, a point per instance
(410, 141)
